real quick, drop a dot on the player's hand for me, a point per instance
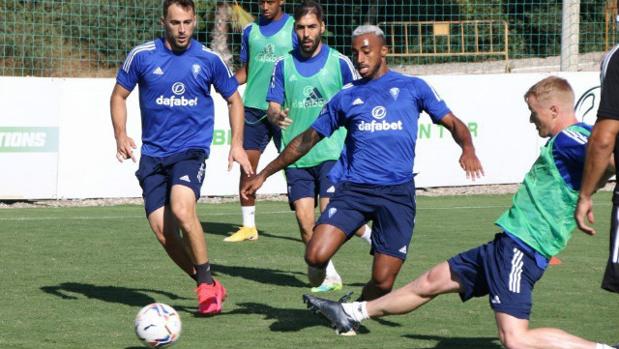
(251, 185)
(471, 165)
(281, 119)
(238, 154)
(584, 208)
(124, 148)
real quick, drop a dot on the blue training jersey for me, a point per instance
(175, 94)
(267, 28)
(381, 117)
(307, 67)
(568, 151)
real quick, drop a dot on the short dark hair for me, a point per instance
(307, 7)
(182, 3)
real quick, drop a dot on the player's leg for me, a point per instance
(325, 242)
(394, 220)
(186, 176)
(346, 316)
(385, 269)
(256, 137)
(164, 225)
(611, 274)
(515, 333)
(153, 181)
(304, 212)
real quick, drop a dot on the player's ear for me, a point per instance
(162, 21)
(322, 27)
(384, 50)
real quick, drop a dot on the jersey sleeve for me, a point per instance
(569, 150)
(222, 77)
(430, 101)
(277, 92)
(609, 103)
(331, 117)
(244, 54)
(349, 73)
(129, 73)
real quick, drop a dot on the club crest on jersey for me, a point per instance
(394, 92)
(195, 69)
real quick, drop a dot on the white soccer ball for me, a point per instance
(158, 325)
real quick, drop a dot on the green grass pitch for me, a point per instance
(76, 277)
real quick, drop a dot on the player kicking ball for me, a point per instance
(536, 227)
(380, 113)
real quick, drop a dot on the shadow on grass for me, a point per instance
(459, 342)
(225, 229)
(137, 297)
(286, 320)
(262, 275)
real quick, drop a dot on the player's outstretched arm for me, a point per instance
(599, 166)
(237, 153)
(461, 134)
(299, 146)
(118, 111)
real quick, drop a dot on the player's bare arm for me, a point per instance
(278, 116)
(599, 166)
(118, 109)
(461, 134)
(237, 153)
(241, 74)
(299, 146)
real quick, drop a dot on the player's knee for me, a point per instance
(315, 258)
(182, 212)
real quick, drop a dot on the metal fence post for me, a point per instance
(570, 35)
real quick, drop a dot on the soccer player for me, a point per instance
(303, 81)
(603, 145)
(175, 74)
(262, 43)
(536, 227)
(380, 112)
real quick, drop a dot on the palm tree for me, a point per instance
(227, 16)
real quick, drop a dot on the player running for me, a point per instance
(175, 74)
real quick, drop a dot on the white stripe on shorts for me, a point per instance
(615, 246)
(516, 272)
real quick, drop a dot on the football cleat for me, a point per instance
(334, 312)
(244, 233)
(328, 285)
(211, 298)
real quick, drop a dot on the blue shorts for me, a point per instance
(258, 131)
(502, 269)
(158, 175)
(309, 182)
(391, 208)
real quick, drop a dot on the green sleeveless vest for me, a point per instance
(542, 213)
(263, 52)
(305, 97)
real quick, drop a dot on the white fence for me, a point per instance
(56, 138)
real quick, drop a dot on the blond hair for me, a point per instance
(551, 87)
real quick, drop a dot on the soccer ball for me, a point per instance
(158, 325)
